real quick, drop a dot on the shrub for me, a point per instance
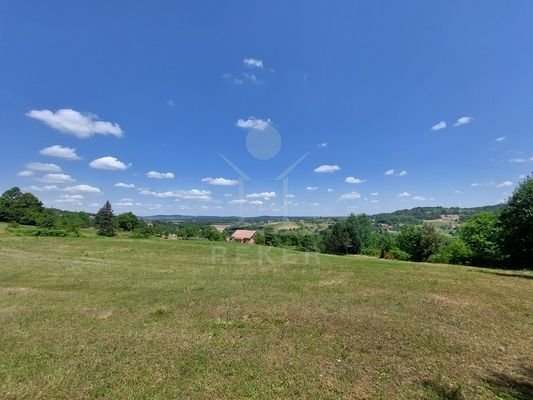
(371, 251)
(396, 254)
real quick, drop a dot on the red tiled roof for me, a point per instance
(242, 234)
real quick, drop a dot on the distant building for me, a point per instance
(243, 236)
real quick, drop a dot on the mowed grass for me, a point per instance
(154, 319)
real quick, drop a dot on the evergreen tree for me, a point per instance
(104, 220)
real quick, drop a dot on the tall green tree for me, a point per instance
(419, 241)
(128, 221)
(516, 221)
(482, 236)
(20, 207)
(104, 220)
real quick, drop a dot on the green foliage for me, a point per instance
(23, 208)
(453, 251)
(482, 236)
(128, 221)
(210, 233)
(517, 226)
(47, 219)
(142, 231)
(420, 242)
(349, 236)
(104, 220)
(397, 254)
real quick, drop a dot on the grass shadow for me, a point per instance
(511, 274)
(443, 392)
(515, 388)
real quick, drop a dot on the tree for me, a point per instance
(420, 242)
(128, 221)
(359, 229)
(104, 220)
(516, 221)
(16, 206)
(482, 235)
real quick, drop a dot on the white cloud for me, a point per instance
(238, 201)
(477, 184)
(93, 205)
(25, 173)
(193, 194)
(404, 194)
(67, 153)
(349, 196)
(311, 188)
(256, 202)
(251, 77)
(37, 166)
(124, 204)
(389, 172)
(392, 172)
(76, 123)
(253, 123)
(323, 145)
(124, 185)
(160, 175)
(438, 126)
(353, 180)
(463, 121)
(505, 184)
(457, 191)
(403, 173)
(419, 198)
(57, 178)
(330, 190)
(82, 189)
(253, 62)
(500, 139)
(374, 201)
(262, 195)
(109, 163)
(220, 181)
(232, 79)
(374, 194)
(46, 188)
(326, 168)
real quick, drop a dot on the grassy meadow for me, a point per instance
(87, 318)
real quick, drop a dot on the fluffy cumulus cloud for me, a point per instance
(392, 172)
(67, 153)
(350, 196)
(501, 139)
(26, 173)
(330, 190)
(521, 160)
(311, 188)
(463, 121)
(109, 163)
(323, 145)
(238, 201)
(389, 172)
(124, 185)
(262, 195)
(160, 175)
(253, 123)
(256, 202)
(327, 168)
(220, 181)
(44, 167)
(57, 178)
(81, 125)
(374, 194)
(82, 189)
(403, 173)
(46, 188)
(253, 62)
(438, 126)
(418, 198)
(404, 194)
(353, 180)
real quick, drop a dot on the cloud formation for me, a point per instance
(438, 126)
(160, 175)
(253, 62)
(353, 180)
(82, 189)
(220, 181)
(44, 167)
(463, 121)
(349, 196)
(81, 125)
(109, 163)
(327, 168)
(124, 185)
(253, 123)
(263, 195)
(67, 153)
(57, 178)
(25, 173)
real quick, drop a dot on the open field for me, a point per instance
(137, 319)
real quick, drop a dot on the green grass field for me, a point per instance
(153, 319)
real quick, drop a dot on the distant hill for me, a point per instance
(418, 215)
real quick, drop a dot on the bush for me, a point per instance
(396, 254)
(371, 251)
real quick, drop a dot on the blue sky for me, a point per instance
(150, 93)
